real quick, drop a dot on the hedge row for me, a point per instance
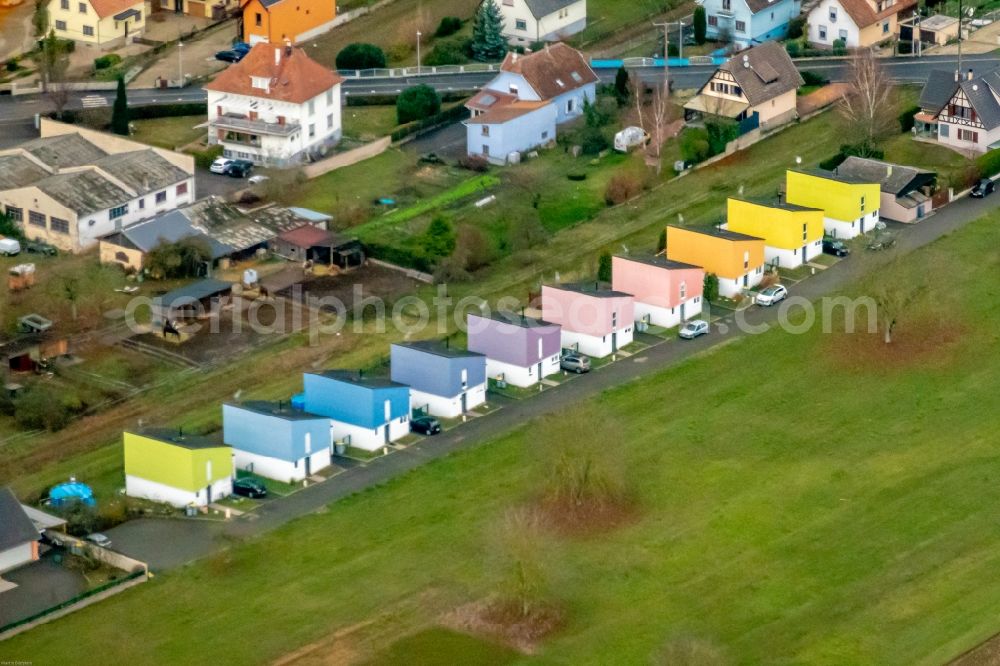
(453, 114)
(390, 99)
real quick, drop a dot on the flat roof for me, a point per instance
(724, 234)
(438, 348)
(195, 291)
(830, 175)
(281, 409)
(177, 437)
(657, 260)
(355, 377)
(516, 319)
(780, 205)
(590, 289)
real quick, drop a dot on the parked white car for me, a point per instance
(9, 247)
(693, 329)
(771, 295)
(220, 165)
(257, 180)
(99, 539)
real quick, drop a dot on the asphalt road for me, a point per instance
(169, 543)
(903, 69)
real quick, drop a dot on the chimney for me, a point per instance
(956, 75)
(513, 56)
(277, 57)
(968, 76)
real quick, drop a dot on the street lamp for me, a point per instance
(180, 64)
(418, 51)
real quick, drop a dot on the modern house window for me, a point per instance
(512, 88)
(684, 289)
(142, 204)
(257, 19)
(713, 21)
(833, 14)
(329, 97)
(520, 24)
(727, 5)
(36, 219)
(312, 107)
(803, 232)
(486, 149)
(746, 260)
(61, 25)
(486, 130)
(63, 4)
(119, 211)
(570, 105)
(312, 130)
(15, 214)
(741, 26)
(843, 35)
(329, 121)
(822, 32)
(545, 135)
(59, 225)
(182, 189)
(862, 204)
(88, 30)
(161, 197)
(82, 7)
(885, 27)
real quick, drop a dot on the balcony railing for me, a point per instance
(237, 124)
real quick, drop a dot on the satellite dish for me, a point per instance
(798, 159)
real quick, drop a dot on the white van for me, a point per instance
(9, 247)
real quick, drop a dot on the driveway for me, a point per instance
(166, 543)
(208, 184)
(448, 142)
(40, 585)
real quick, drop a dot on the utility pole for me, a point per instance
(959, 39)
(666, 54)
(680, 39)
(180, 63)
(418, 52)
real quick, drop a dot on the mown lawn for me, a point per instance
(855, 524)
(169, 133)
(368, 123)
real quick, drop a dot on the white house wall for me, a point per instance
(596, 346)
(448, 407)
(280, 470)
(731, 288)
(15, 557)
(667, 317)
(367, 438)
(820, 16)
(845, 230)
(948, 134)
(552, 27)
(792, 258)
(178, 497)
(523, 377)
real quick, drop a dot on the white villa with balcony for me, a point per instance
(276, 107)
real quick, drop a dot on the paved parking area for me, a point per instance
(40, 585)
(165, 543)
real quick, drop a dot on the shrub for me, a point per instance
(360, 56)
(12, 65)
(448, 52)
(9, 228)
(661, 241)
(863, 149)
(417, 103)
(476, 163)
(793, 48)
(107, 61)
(989, 163)
(839, 47)
(797, 26)
(181, 259)
(621, 188)
(906, 118)
(449, 25)
(621, 87)
(204, 158)
(711, 288)
(700, 24)
(604, 267)
(720, 133)
(439, 239)
(40, 408)
(694, 145)
(814, 79)
(594, 115)
(832, 163)
(593, 141)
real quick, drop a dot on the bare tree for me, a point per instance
(896, 290)
(868, 101)
(662, 115)
(57, 93)
(52, 61)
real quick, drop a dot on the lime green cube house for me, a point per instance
(165, 465)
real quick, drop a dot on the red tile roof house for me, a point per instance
(520, 109)
(519, 350)
(595, 321)
(666, 292)
(276, 107)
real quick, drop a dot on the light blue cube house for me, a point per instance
(275, 440)
(365, 412)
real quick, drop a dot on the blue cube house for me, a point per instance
(444, 381)
(364, 412)
(276, 440)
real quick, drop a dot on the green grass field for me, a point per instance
(169, 133)
(855, 524)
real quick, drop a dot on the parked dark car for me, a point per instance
(881, 242)
(249, 488)
(983, 188)
(40, 247)
(425, 425)
(835, 247)
(239, 168)
(229, 56)
(241, 47)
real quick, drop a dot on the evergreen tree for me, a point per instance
(119, 112)
(488, 42)
(700, 25)
(621, 86)
(604, 267)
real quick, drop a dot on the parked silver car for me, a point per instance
(771, 295)
(693, 329)
(577, 363)
(100, 540)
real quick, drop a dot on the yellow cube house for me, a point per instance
(850, 206)
(736, 259)
(164, 465)
(793, 235)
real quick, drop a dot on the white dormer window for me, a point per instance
(513, 89)
(560, 83)
(260, 82)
